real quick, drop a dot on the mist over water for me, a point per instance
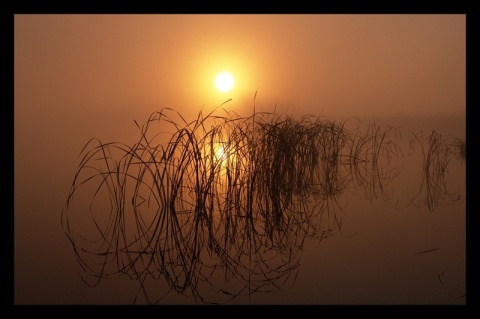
(353, 192)
(380, 215)
(379, 238)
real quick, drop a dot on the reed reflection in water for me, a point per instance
(223, 206)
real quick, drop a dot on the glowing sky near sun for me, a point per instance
(336, 64)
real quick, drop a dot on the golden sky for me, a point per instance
(81, 76)
(329, 64)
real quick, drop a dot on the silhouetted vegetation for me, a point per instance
(462, 148)
(437, 152)
(225, 203)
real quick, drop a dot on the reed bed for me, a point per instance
(222, 199)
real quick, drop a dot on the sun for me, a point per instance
(220, 152)
(224, 82)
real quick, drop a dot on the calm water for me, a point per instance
(401, 241)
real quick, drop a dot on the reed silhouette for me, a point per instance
(437, 151)
(220, 207)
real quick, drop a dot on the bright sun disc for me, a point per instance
(224, 81)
